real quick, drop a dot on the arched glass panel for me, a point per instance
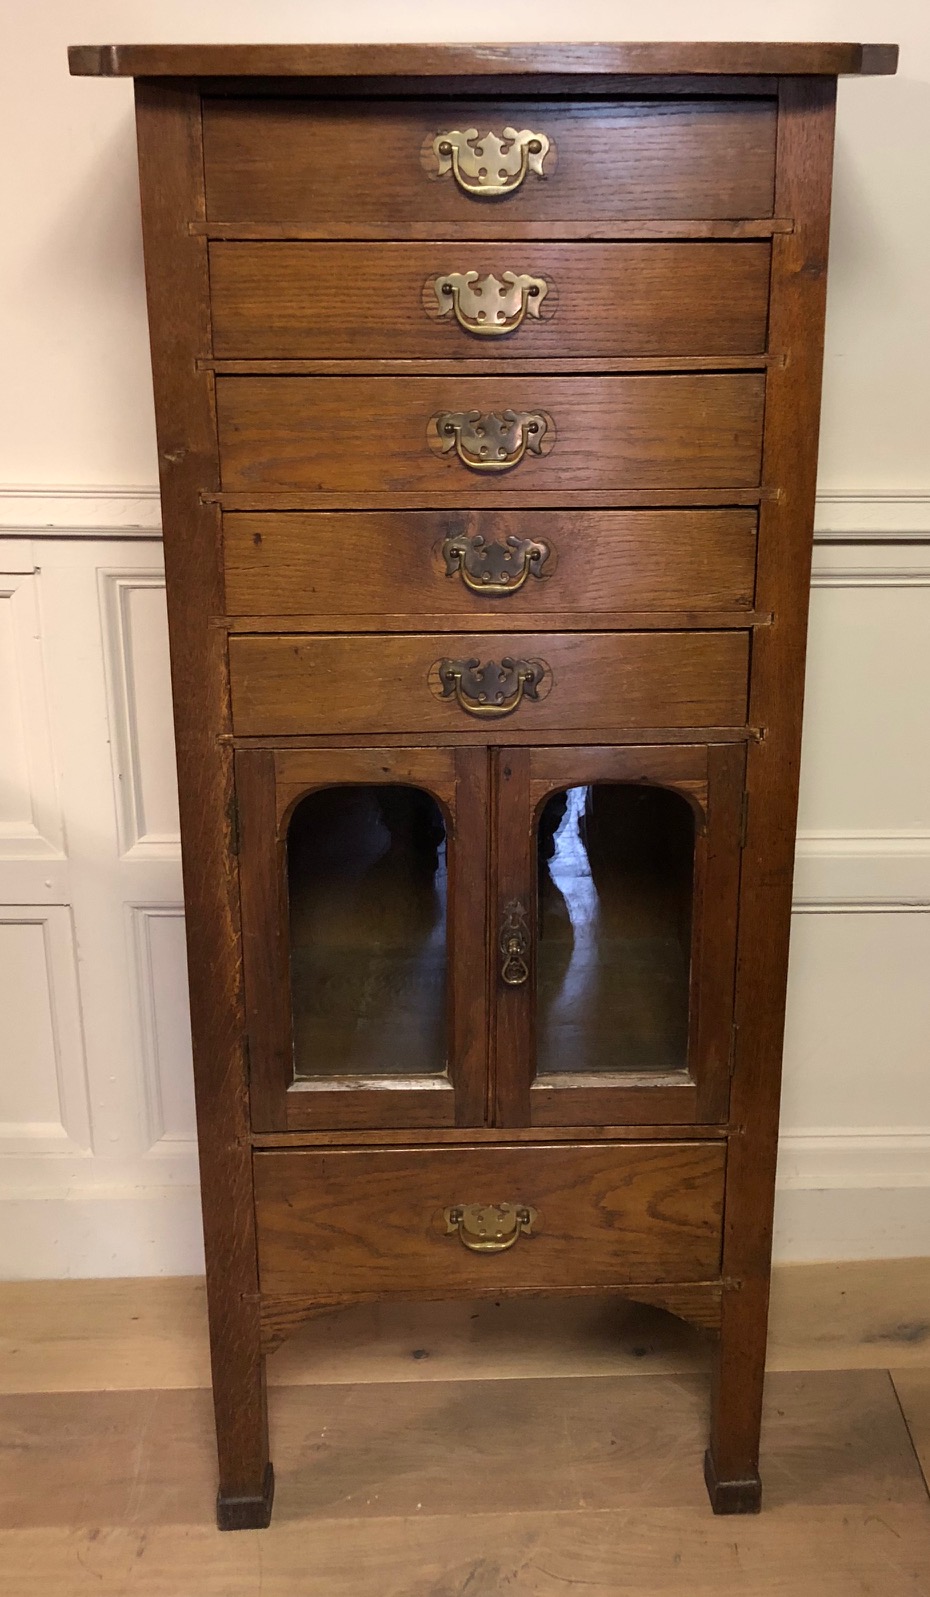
(616, 869)
(366, 872)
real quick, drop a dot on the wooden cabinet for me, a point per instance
(487, 390)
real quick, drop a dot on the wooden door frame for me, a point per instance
(269, 785)
(710, 777)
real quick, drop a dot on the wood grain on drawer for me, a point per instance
(359, 1221)
(368, 301)
(356, 435)
(294, 684)
(389, 563)
(371, 165)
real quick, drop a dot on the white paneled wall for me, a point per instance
(99, 1171)
(97, 1154)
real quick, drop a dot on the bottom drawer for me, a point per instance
(385, 1220)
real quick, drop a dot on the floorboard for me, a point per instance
(454, 1489)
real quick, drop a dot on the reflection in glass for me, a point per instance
(616, 865)
(367, 893)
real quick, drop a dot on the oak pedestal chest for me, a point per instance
(487, 388)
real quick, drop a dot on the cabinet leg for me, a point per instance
(731, 1463)
(246, 1487)
(251, 1512)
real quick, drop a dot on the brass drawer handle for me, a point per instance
(489, 1227)
(494, 440)
(487, 306)
(488, 167)
(514, 945)
(491, 691)
(493, 568)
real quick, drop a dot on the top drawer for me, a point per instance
(398, 168)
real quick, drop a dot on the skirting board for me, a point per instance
(109, 1233)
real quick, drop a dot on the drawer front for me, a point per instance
(447, 682)
(605, 1215)
(485, 435)
(374, 168)
(367, 301)
(456, 563)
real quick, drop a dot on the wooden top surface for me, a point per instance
(433, 60)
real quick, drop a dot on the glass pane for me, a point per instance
(616, 866)
(367, 892)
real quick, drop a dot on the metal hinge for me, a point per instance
(744, 820)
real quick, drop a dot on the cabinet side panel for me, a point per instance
(804, 167)
(171, 172)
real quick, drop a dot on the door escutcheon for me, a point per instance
(514, 945)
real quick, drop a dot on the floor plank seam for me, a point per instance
(910, 1434)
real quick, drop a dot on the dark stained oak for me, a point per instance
(438, 959)
(358, 435)
(612, 1044)
(361, 914)
(378, 564)
(365, 301)
(495, 227)
(447, 60)
(292, 684)
(291, 159)
(805, 158)
(170, 166)
(606, 1214)
(507, 498)
(526, 365)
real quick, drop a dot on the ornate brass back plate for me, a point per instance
(489, 167)
(489, 1227)
(490, 691)
(494, 569)
(488, 306)
(495, 440)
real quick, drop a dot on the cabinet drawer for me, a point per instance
(456, 563)
(379, 168)
(351, 301)
(292, 685)
(485, 435)
(604, 1215)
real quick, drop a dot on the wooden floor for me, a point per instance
(467, 1451)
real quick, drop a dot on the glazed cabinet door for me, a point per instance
(362, 881)
(616, 875)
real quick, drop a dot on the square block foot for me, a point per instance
(247, 1513)
(732, 1497)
